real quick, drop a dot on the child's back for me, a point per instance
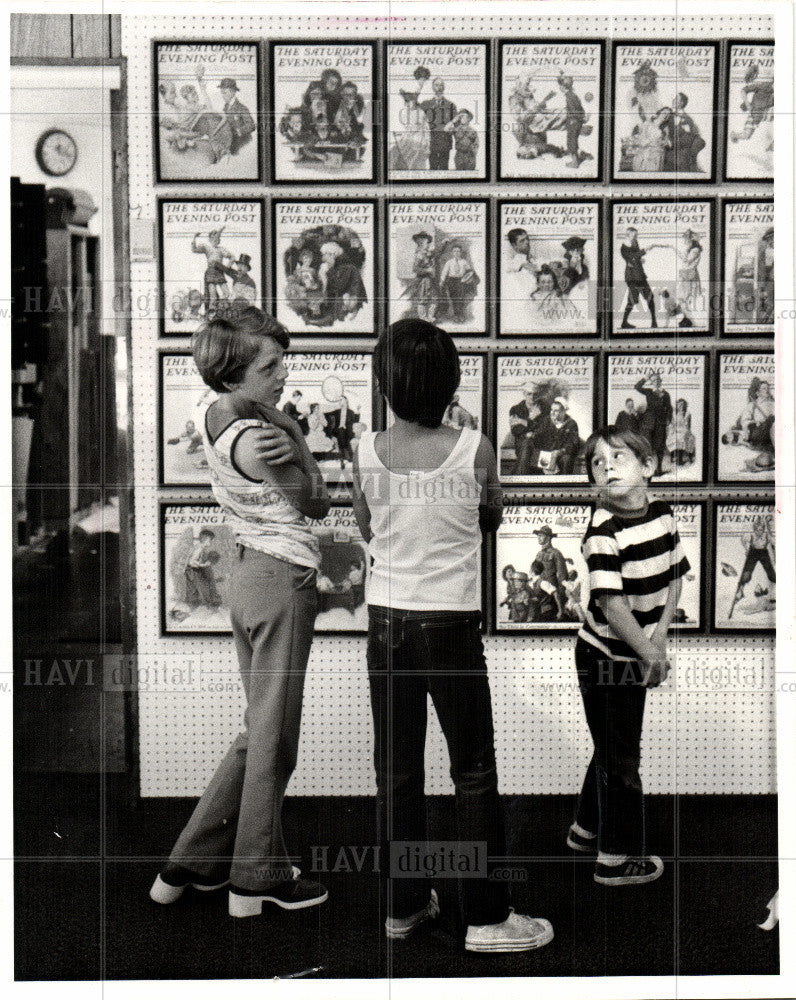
(423, 492)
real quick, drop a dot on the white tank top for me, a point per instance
(259, 513)
(426, 536)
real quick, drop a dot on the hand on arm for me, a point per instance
(304, 488)
(659, 636)
(616, 608)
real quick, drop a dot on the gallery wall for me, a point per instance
(273, 192)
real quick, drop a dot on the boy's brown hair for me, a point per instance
(613, 435)
(225, 345)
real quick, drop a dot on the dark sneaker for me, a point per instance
(292, 894)
(174, 880)
(401, 927)
(516, 933)
(634, 871)
(584, 845)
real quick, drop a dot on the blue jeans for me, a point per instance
(412, 654)
(611, 802)
(235, 831)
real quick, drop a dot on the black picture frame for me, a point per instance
(726, 176)
(330, 180)
(176, 632)
(704, 410)
(613, 329)
(599, 270)
(486, 276)
(537, 483)
(615, 175)
(567, 628)
(601, 113)
(724, 332)
(721, 429)
(163, 482)
(162, 303)
(744, 629)
(329, 333)
(258, 114)
(487, 137)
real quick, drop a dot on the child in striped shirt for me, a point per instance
(636, 565)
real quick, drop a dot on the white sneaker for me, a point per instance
(516, 933)
(401, 927)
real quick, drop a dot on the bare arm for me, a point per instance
(616, 609)
(490, 511)
(303, 486)
(359, 503)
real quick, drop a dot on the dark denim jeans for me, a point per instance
(611, 802)
(412, 654)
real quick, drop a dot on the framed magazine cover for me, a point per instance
(665, 103)
(545, 409)
(747, 267)
(211, 254)
(749, 114)
(438, 263)
(322, 102)
(541, 583)
(343, 576)
(325, 278)
(207, 112)
(183, 399)
(550, 266)
(744, 573)
(550, 114)
(745, 440)
(690, 517)
(197, 554)
(661, 270)
(664, 398)
(330, 394)
(436, 111)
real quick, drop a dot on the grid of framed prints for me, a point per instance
(381, 181)
(683, 268)
(360, 110)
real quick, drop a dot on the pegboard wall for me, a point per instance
(711, 729)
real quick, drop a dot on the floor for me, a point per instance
(87, 850)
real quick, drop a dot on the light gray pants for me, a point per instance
(273, 604)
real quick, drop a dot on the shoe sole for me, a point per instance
(163, 893)
(400, 935)
(252, 906)
(629, 879)
(580, 848)
(507, 945)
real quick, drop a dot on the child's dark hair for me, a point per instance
(417, 368)
(206, 533)
(613, 435)
(225, 346)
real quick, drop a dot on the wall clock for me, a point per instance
(56, 152)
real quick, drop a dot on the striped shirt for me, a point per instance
(638, 555)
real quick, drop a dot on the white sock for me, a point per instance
(611, 859)
(583, 833)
